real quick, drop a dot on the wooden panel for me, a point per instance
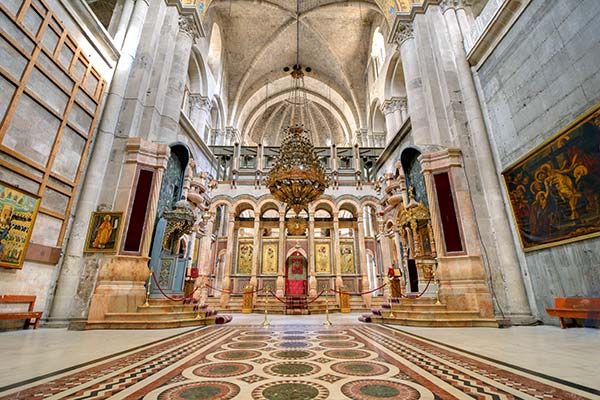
(43, 68)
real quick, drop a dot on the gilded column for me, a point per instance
(362, 257)
(226, 283)
(312, 279)
(281, 269)
(415, 94)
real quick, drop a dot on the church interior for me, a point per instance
(299, 199)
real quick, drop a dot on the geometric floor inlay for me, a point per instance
(297, 362)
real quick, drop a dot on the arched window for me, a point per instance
(377, 51)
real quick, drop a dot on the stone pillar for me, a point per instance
(392, 110)
(177, 78)
(124, 18)
(415, 94)
(312, 278)
(280, 283)
(226, 283)
(71, 298)
(255, 252)
(337, 261)
(204, 250)
(385, 260)
(505, 265)
(200, 109)
(362, 257)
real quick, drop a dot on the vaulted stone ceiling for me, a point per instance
(259, 40)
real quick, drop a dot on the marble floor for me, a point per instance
(297, 357)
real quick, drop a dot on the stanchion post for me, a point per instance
(147, 302)
(437, 284)
(327, 321)
(265, 322)
(199, 302)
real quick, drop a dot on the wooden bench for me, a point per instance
(587, 308)
(26, 315)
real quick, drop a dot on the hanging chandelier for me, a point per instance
(297, 178)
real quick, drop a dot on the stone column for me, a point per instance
(362, 257)
(337, 261)
(385, 260)
(177, 78)
(510, 286)
(71, 300)
(415, 94)
(255, 252)
(124, 18)
(280, 283)
(312, 278)
(200, 109)
(226, 283)
(204, 250)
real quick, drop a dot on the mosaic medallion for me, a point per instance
(294, 345)
(237, 355)
(291, 369)
(333, 337)
(347, 354)
(290, 390)
(253, 338)
(208, 390)
(292, 354)
(222, 370)
(338, 344)
(293, 338)
(372, 389)
(359, 368)
(294, 333)
(247, 345)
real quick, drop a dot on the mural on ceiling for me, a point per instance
(555, 191)
(390, 7)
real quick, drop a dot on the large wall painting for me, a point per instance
(347, 257)
(270, 258)
(555, 190)
(245, 251)
(18, 210)
(322, 258)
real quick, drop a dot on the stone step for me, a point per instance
(437, 315)
(157, 308)
(419, 307)
(438, 323)
(156, 316)
(146, 324)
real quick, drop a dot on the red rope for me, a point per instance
(231, 291)
(274, 295)
(361, 293)
(169, 297)
(319, 295)
(420, 294)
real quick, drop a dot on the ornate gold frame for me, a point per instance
(88, 249)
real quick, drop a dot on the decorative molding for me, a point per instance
(188, 25)
(453, 4)
(404, 32)
(199, 102)
(393, 104)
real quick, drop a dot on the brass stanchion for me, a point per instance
(437, 285)
(327, 321)
(391, 308)
(147, 303)
(265, 322)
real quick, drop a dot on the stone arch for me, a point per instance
(215, 49)
(328, 203)
(299, 250)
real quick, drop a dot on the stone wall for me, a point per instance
(544, 74)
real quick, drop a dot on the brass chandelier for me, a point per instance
(297, 178)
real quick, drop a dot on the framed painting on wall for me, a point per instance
(322, 258)
(554, 190)
(270, 259)
(347, 257)
(18, 210)
(104, 232)
(245, 252)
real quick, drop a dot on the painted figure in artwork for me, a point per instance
(103, 234)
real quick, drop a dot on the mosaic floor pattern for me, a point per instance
(297, 363)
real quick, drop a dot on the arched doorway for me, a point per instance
(296, 274)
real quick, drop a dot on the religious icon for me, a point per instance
(322, 264)
(347, 260)
(18, 210)
(245, 251)
(270, 258)
(103, 233)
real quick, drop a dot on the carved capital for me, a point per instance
(393, 104)
(199, 102)
(404, 33)
(188, 25)
(453, 4)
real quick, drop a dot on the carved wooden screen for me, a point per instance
(49, 105)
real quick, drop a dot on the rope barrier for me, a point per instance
(169, 297)
(420, 294)
(231, 291)
(319, 295)
(361, 293)
(289, 303)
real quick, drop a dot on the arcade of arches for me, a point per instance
(461, 143)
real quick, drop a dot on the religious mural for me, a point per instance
(18, 210)
(555, 191)
(245, 251)
(322, 263)
(270, 258)
(347, 258)
(103, 232)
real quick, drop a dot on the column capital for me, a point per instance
(188, 25)
(200, 102)
(393, 104)
(453, 4)
(404, 32)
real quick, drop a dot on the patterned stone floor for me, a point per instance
(297, 362)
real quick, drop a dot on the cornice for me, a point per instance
(190, 10)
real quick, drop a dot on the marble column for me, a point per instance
(124, 18)
(509, 286)
(386, 260)
(362, 257)
(280, 283)
(200, 112)
(71, 300)
(226, 282)
(415, 94)
(312, 278)
(255, 252)
(177, 78)
(336, 254)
